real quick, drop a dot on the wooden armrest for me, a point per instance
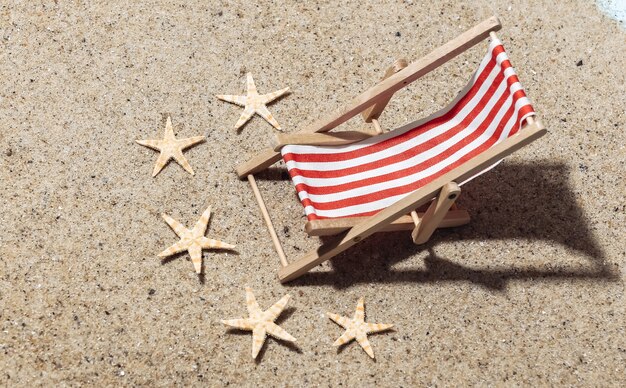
(322, 139)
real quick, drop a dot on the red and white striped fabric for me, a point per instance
(362, 178)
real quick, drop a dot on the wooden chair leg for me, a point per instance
(435, 213)
(268, 221)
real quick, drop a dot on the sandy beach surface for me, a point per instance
(530, 293)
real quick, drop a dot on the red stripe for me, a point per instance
(526, 109)
(512, 79)
(497, 50)
(519, 94)
(523, 111)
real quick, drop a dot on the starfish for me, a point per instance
(254, 103)
(193, 240)
(357, 328)
(261, 322)
(171, 148)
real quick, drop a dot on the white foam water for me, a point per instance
(616, 9)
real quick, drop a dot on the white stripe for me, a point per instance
(509, 71)
(523, 101)
(493, 44)
(526, 116)
(515, 87)
(501, 57)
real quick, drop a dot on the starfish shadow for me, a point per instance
(202, 274)
(521, 202)
(287, 312)
(168, 259)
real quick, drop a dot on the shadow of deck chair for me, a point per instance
(358, 183)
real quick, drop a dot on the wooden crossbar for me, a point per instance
(383, 90)
(334, 226)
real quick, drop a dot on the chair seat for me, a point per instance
(362, 178)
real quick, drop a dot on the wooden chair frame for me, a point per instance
(440, 213)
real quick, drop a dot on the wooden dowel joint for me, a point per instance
(436, 212)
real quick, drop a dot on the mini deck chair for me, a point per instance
(358, 183)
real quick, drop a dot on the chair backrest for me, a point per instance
(362, 178)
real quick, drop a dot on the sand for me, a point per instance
(530, 293)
